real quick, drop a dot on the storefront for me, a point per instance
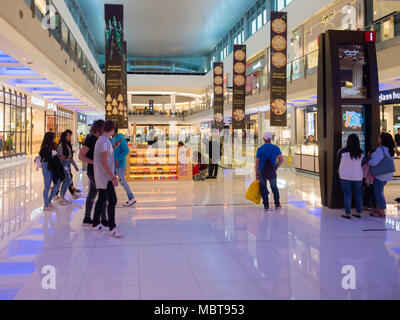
(390, 110)
(256, 75)
(43, 117)
(390, 116)
(82, 124)
(13, 115)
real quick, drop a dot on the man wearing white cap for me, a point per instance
(269, 159)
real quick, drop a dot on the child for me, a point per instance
(368, 187)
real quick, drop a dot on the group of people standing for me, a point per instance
(56, 162)
(356, 171)
(371, 172)
(104, 151)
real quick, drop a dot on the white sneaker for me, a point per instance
(99, 227)
(130, 203)
(64, 202)
(115, 234)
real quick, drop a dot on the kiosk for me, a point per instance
(348, 102)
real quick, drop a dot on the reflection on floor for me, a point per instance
(195, 241)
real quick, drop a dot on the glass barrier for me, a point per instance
(386, 28)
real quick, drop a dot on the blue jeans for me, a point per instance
(351, 188)
(265, 192)
(48, 179)
(121, 176)
(379, 187)
(67, 181)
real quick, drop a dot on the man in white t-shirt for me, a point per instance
(106, 181)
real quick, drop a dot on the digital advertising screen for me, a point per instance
(353, 75)
(353, 121)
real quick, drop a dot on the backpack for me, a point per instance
(269, 171)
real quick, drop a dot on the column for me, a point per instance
(173, 103)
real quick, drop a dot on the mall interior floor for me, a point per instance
(198, 240)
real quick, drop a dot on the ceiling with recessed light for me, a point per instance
(20, 76)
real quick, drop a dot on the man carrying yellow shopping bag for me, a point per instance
(269, 159)
(253, 193)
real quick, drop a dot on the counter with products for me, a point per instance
(148, 164)
(306, 158)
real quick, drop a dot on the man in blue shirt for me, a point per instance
(268, 155)
(121, 151)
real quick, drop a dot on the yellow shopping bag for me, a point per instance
(254, 193)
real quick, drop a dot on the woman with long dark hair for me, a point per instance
(351, 174)
(385, 150)
(65, 153)
(51, 169)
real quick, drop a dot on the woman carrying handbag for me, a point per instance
(383, 168)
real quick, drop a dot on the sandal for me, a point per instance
(376, 215)
(358, 216)
(346, 216)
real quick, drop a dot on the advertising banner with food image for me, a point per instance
(218, 95)
(278, 69)
(115, 91)
(239, 87)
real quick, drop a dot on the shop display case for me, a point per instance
(306, 158)
(147, 164)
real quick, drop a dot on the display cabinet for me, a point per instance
(306, 158)
(148, 164)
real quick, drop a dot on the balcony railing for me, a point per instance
(387, 27)
(147, 113)
(66, 39)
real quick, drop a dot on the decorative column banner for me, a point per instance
(115, 63)
(218, 95)
(278, 69)
(239, 87)
(123, 114)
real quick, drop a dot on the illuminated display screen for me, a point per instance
(353, 121)
(353, 63)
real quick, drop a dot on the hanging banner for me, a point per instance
(123, 114)
(115, 63)
(278, 69)
(239, 87)
(218, 95)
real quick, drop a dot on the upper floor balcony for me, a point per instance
(42, 35)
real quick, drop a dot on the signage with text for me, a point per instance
(82, 118)
(389, 96)
(116, 106)
(239, 87)
(218, 95)
(278, 69)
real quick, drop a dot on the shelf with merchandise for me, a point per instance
(148, 164)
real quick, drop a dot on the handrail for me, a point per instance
(383, 19)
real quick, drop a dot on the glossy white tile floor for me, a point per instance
(195, 241)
